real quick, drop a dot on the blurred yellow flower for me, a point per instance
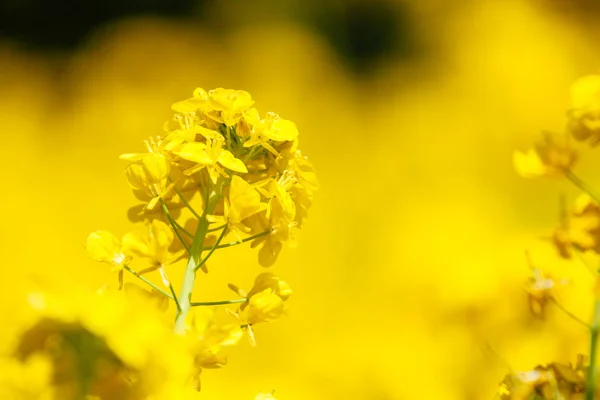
(584, 115)
(28, 379)
(103, 246)
(265, 396)
(581, 229)
(550, 157)
(98, 344)
(208, 337)
(554, 381)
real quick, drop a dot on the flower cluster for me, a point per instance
(219, 176)
(578, 234)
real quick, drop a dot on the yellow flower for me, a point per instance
(584, 115)
(305, 186)
(224, 106)
(103, 246)
(581, 229)
(265, 301)
(148, 177)
(208, 337)
(28, 379)
(104, 345)
(271, 128)
(152, 245)
(230, 104)
(546, 382)
(243, 202)
(212, 156)
(265, 396)
(268, 280)
(551, 157)
(264, 306)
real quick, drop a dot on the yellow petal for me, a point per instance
(282, 130)
(228, 160)
(268, 280)
(162, 235)
(136, 244)
(529, 165)
(195, 152)
(264, 307)
(189, 105)
(136, 176)
(244, 200)
(157, 167)
(103, 246)
(267, 255)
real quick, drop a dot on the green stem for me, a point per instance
(591, 377)
(174, 225)
(212, 250)
(218, 303)
(218, 228)
(186, 203)
(243, 240)
(175, 297)
(185, 295)
(146, 281)
(581, 185)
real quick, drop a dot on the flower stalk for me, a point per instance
(194, 260)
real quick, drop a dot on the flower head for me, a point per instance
(550, 157)
(584, 115)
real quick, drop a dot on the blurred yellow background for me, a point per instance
(408, 278)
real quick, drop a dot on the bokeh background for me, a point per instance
(409, 275)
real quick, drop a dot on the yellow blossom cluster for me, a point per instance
(554, 381)
(219, 176)
(578, 236)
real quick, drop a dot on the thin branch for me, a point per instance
(174, 225)
(218, 303)
(212, 250)
(222, 246)
(146, 281)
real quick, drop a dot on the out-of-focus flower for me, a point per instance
(265, 396)
(584, 115)
(209, 337)
(546, 382)
(580, 230)
(103, 246)
(550, 157)
(540, 291)
(105, 345)
(28, 379)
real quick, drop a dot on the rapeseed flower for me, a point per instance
(584, 115)
(238, 175)
(96, 344)
(551, 157)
